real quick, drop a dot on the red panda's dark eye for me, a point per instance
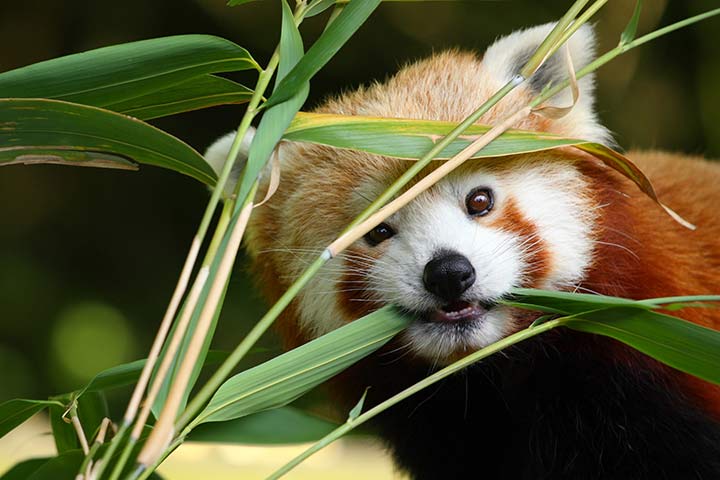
(479, 202)
(379, 234)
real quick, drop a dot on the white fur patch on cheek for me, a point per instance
(550, 196)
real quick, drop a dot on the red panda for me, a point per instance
(561, 405)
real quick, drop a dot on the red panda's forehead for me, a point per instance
(448, 86)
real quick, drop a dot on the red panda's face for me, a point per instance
(454, 251)
(459, 247)
(446, 258)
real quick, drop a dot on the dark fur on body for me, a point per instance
(546, 409)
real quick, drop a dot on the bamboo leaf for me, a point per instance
(33, 129)
(675, 342)
(357, 409)
(284, 378)
(320, 7)
(284, 425)
(628, 35)
(234, 3)
(14, 412)
(22, 470)
(128, 373)
(572, 303)
(411, 139)
(117, 73)
(681, 302)
(64, 466)
(567, 303)
(194, 94)
(331, 40)
(277, 118)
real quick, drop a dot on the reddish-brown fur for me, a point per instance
(641, 252)
(511, 219)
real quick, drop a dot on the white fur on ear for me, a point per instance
(217, 153)
(506, 57)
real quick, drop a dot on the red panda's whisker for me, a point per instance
(621, 247)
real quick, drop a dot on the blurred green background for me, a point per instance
(88, 258)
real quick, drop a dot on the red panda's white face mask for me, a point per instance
(452, 253)
(459, 247)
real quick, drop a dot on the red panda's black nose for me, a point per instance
(448, 275)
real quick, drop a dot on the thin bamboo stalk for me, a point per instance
(170, 312)
(439, 375)
(79, 431)
(162, 371)
(163, 431)
(86, 466)
(553, 40)
(348, 238)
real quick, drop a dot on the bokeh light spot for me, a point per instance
(89, 337)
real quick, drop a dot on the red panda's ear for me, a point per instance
(216, 154)
(506, 57)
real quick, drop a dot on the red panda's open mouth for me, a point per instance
(458, 312)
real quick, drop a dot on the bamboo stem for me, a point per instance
(439, 375)
(182, 283)
(87, 464)
(172, 350)
(163, 431)
(348, 238)
(79, 430)
(162, 370)
(620, 49)
(229, 364)
(552, 42)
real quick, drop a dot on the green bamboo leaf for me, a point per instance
(14, 412)
(234, 3)
(22, 470)
(277, 118)
(628, 35)
(567, 303)
(411, 139)
(331, 40)
(113, 74)
(357, 409)
(675, 342)
(284, 378)
(279, 426)
(64, 466)
(52, 131)
(193, 94)
(320, 7)
(115, 377)
(128, 373)
(681, 302)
